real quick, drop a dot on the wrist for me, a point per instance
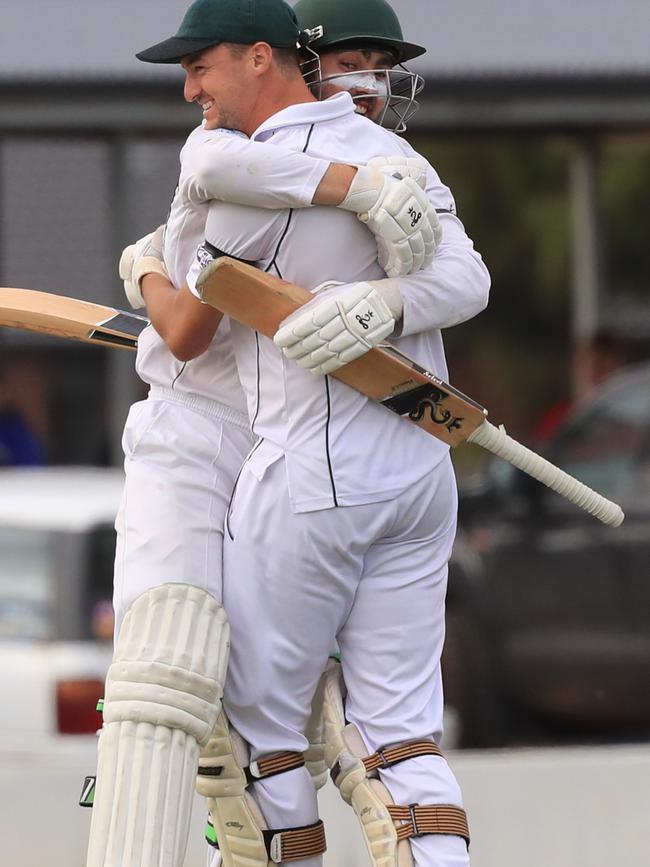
(148, 265)
(335, 185)
(364, 190)
(152, 282)
(390, 293)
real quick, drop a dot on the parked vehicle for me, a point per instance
(57, 546)
(548, 609)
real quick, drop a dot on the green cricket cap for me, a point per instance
(209, 22)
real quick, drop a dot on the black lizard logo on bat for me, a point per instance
(439, 415)
(416, 401)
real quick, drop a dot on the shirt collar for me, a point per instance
(339, 105)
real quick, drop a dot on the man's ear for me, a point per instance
(261, 57)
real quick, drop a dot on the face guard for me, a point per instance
(393, 92)
(309, 59)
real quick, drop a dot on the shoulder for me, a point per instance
(200, 137)
(194, 138)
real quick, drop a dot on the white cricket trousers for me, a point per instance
(372, 577)
(182, 454)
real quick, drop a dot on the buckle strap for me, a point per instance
(429, 819)
(294, 844)
(279, 763)
(388, 756)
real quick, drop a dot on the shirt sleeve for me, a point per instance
(236, 230)
(457, 284)
(231, 168)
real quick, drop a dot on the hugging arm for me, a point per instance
(347, 320)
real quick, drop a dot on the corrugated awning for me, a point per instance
(95, 39)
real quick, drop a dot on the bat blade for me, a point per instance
(72, 318)
(384, 374)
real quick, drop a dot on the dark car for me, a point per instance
(549, 610)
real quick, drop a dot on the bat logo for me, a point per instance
(439, 415)
(204, 256)
(364, 320)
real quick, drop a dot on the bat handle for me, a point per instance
(497, 441)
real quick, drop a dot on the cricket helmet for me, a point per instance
(336, 25)
(370, 22)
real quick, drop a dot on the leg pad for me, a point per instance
(224, 777)
(386, 826)
(163, 695)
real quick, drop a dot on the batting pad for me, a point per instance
(163, 696)
(315, 734)
(236, 817)
(386, 826)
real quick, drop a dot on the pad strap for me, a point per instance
(279, 763)
(429, 819)
(386, 757)
(289, 844)
(294, 844)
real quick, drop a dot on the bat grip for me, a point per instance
(497, 441)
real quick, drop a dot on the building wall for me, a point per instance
(68, 205)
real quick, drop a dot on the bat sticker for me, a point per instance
(415, 402)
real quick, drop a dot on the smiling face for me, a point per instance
(360, 72)
(217, 80)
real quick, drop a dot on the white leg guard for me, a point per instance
(163, 695)
(386, 827)
(243, 837)
(315, 733)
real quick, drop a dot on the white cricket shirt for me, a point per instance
(218, 164)
(340, 448)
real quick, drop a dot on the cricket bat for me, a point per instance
(60, 316)
(389, 377)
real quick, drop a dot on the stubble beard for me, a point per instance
(226, 118)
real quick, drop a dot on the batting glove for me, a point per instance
(143, 257)
(399, 214)
(402, 167)
(331, 331)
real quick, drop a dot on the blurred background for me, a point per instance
(538, 118)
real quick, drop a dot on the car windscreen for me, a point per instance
(606, 446)
(26, 583)
(56, 585)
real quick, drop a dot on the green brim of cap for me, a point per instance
(175, 49)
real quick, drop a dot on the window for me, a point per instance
(26, 584)
(607, 443)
